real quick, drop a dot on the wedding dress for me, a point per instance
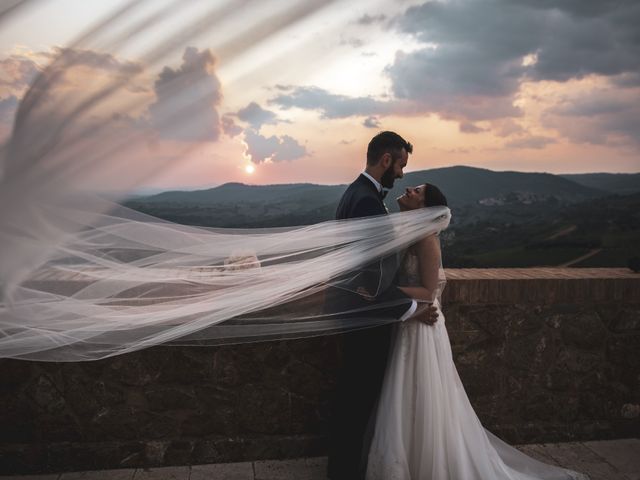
(425, 427)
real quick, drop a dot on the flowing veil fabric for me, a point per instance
(84, 278)
(124, 284)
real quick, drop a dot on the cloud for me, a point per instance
(466, 127)
(330, 105)
(256, 116)
(605, 116)
(507, 127)
(273, 148)
(229, 127)
(95, 60)
(17, 72)
(627, 80)
(560, 34)
(8, 107)
(367, 19)
(187, 99)
(371, 122)
(535, 142)
(261, 148)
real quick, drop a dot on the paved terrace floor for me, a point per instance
(602, 460)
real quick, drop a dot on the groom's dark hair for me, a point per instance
(386, 142)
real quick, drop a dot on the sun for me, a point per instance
(249, 169)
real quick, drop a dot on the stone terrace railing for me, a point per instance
(545, 354)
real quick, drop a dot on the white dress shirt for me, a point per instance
(374, 181)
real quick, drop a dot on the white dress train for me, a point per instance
(425, 427)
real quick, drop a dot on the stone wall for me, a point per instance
(544, 354)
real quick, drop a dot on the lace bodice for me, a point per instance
(409, 274)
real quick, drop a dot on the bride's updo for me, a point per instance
(433, 197)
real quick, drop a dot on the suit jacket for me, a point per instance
(362, 199)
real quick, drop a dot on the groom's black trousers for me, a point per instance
(360, 378)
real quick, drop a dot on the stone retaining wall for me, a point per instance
(544, 354)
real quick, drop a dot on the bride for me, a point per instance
(425, 427)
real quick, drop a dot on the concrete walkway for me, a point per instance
(602, 460)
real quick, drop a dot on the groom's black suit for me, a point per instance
(364, 351)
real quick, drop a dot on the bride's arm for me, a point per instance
(428, 250)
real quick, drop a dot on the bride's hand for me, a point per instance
(428, 315)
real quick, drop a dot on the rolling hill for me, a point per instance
(617, 183)
(462, 185)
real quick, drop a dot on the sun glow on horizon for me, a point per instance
(249, 169)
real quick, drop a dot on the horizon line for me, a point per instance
(190, 188)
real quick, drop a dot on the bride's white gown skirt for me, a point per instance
(425, 426)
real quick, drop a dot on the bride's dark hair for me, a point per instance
(433, 197)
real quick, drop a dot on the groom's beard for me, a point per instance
(388, 177)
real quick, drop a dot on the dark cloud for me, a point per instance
(536, 142)
(599, 117)
(507, 127)
(371, 122)
(570, 38)
(187, 98)
(472, 64)
(273, 148)
(256, 116)
(330, 105)
(578, 8)
(594, 104)
(8, 107)
(371, 19)
(572, 48)
(466, 127)
(627, 80)
(229, 127)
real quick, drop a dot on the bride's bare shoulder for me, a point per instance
(427, 242)
(427, 247)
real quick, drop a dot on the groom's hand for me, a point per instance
(429, 316)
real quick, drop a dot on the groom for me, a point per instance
(365, 351)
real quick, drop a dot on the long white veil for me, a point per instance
(83, 278)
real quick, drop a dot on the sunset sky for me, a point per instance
(282, 92)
